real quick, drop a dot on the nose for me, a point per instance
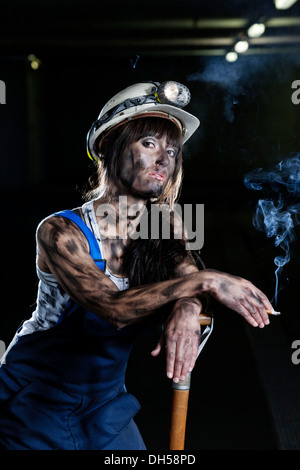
(162, 157)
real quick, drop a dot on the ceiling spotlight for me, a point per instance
(241, 47)
(284, 4)
(231, 56)
(35, 63)
(256, 30)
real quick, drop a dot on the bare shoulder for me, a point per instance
(60, 233)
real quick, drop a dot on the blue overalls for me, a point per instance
(63, 388)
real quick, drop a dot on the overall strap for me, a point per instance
(92, 241)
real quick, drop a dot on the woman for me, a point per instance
(62, 381)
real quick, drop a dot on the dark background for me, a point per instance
(245, 388)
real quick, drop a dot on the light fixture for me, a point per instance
(231, 56)
(284, 4)
(241, 46)
(35, 63)
(173, 93)
(256, 30)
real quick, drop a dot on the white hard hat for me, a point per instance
(142, 100)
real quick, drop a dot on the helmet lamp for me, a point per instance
(174, 93)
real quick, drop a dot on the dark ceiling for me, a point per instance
(162, 28)
(88, 49)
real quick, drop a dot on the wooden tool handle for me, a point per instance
(178, 419)
(180, 401)
(204, 319)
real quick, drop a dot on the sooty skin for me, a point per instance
(58, 239)
(62, 249)
(142, 158)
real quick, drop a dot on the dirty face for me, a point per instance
(147, 166)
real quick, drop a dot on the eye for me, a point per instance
(148, 143)
(172, 152)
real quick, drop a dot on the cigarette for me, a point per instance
(273, 312)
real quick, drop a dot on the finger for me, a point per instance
(264, 317)
(254, 315)
(155, 352)
(248, 313)
(188, 362)
(194, 356)
(254, 312)
(182, 359)
(170, 357)
(263, 306)
(259, 304)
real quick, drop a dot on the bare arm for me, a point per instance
(64, 250)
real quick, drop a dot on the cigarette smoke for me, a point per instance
(278, 215)
(246, 79)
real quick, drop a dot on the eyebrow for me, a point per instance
(144, 136)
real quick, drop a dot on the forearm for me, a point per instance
(193, 304)
(65, 252)
(134, 304)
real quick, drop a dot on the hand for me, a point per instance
(181, 338)
(242, 296)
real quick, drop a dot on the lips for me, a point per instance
(158, 175)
